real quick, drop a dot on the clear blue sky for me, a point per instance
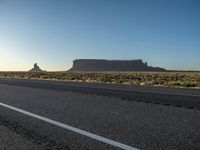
(53, 33)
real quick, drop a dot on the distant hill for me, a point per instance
(112, 65)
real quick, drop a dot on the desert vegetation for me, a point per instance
(167, 79)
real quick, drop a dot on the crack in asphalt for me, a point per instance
(145, 101)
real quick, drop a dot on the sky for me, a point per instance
(52, 33)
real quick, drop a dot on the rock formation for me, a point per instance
(112, 65)
(36, 68)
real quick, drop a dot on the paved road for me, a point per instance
(166, 96)
(115, 112)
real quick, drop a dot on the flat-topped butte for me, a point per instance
(112, 65)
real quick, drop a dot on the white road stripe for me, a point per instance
(73, 129)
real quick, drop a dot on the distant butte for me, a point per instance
(112, 65)
(36, 68)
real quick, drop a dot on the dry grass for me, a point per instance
(167, 79)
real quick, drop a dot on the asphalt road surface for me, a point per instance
(37, 114)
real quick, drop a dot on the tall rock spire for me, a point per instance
(36, 68)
